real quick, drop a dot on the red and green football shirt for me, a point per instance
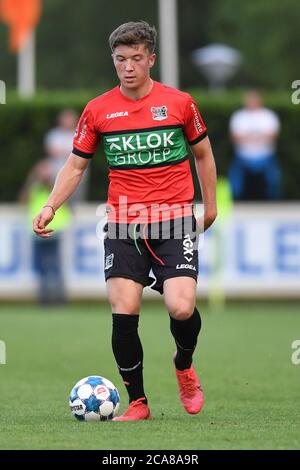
(145, 147)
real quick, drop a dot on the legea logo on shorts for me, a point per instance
(186, 266)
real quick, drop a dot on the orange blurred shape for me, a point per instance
(21, 16)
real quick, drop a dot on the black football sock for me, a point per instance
(128, 352)
(185, 333)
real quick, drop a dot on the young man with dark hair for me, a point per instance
(144, 126)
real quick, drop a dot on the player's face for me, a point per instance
(133, 64)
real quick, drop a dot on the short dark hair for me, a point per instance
(132, 33)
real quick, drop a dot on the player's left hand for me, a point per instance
(41, 221)
(206, 220)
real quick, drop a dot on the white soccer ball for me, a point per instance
(94, 398)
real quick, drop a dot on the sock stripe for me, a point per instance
(123, 369)
(184, 349)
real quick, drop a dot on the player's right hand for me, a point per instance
(41, 221)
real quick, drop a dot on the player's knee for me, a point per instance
(121, 303)
(124, 297)
(182, 310)
(128, 307)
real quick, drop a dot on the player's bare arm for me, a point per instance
(66, 182)
(207, 176)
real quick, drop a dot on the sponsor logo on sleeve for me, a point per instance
(80, 133)
(197, 122)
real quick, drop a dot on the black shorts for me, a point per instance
(169, 249)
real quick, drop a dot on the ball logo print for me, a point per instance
(94, 398)
(101, 392)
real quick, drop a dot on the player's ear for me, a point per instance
(152, 58)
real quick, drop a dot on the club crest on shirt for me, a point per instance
(159, 113)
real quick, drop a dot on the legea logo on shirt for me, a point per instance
(160, 113)
(115, 115)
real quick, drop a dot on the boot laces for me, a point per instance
(133, 404)
(188, 384)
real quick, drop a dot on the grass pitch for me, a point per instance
(243, 360)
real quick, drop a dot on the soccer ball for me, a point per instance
(94, 398)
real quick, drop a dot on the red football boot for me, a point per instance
(136, 411)
(190, 391)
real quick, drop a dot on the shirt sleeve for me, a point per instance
(194, 128)
(86, 137)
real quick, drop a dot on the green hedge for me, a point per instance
(23, 125)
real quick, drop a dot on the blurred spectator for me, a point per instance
(58, 145)
(254, 173)
(47, 258)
